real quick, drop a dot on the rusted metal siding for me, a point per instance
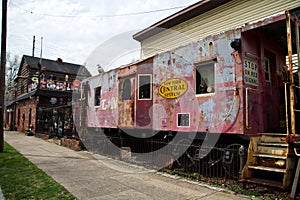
(226, 17)
(218, 112)
(106, 113)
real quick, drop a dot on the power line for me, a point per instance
(99, 16)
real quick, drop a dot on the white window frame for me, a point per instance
(183, 126)
(197, 65)
(138, 82)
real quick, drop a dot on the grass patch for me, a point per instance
(20, 179)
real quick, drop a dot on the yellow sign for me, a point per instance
(35, 79)
(172, 88)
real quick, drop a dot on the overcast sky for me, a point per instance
(73, 29)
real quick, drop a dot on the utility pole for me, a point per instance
(33, 45)
(2, 71)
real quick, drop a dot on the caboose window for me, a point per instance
(126, 93)
(267, 70)
(97, 96)
(145, 89)
(205, 78)
(183, 119)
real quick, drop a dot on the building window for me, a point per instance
(97, 96)
(126, 93)
(205, 78)
(145, 87)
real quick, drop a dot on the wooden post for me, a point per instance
(290, 69)
(2, 71)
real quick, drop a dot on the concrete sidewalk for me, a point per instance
(90, 176)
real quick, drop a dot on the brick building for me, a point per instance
(43, 96)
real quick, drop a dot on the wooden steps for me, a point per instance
(269, 161)
(269, 156)
(269, 183)
(273, 144)
(272, 169)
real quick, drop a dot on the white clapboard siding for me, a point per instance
(223, 18)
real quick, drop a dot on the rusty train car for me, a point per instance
(168, 93)
(223, 84)
(236, 84)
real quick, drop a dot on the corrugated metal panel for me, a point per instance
(229, 16)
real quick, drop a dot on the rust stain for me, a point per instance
(202, 117)
(280, 163)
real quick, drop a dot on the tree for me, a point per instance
(12, 67)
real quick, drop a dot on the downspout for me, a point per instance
(290, 68)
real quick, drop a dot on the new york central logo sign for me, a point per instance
(172, 88)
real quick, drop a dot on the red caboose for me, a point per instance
(235, 83)
(221, 89)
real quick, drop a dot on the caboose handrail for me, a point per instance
(286, 108)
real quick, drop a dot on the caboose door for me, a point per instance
(126, 101)
(144, 95)
(271, 92)
(144, 101)
(263, 58)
